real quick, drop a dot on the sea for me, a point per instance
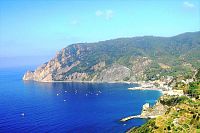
(67, 107)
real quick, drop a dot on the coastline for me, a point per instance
(140, 88)
(146, 86)
(126, 82)
(140, 84)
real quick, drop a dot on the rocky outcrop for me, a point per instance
(149, 112)
(140, 64)
(78, 77)
(28, 75)
(114, 73)
(145, 107)
(57, 68)
(99, 66)
(152, 112)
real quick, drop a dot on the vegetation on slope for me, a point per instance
(147, 57)
(197, 76)
(183, 114)
(180, 53)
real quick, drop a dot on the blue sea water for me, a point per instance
(67, 107)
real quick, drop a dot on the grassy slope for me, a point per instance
(184, 116)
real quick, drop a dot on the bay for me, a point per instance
(27, 106)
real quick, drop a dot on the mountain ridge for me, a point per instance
(122, 59)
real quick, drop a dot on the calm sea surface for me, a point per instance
(67, 107)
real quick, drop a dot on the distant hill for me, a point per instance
(123, 59)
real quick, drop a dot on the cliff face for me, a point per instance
(124, 59)
(74, 64)
(57, 68)
(62, 68)
(114, 73)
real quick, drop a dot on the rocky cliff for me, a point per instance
(123, 59)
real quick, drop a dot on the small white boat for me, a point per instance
(22, 114)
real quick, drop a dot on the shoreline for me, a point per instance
(146, 86)
(144, 89)
(140, 84)
(126, 82)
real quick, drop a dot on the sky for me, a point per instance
(32, 31)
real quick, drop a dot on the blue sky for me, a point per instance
(31, 31)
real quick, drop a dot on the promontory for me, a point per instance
(123, 59)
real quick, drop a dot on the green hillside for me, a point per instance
(183, 114)
(145, 58)
(177, 52)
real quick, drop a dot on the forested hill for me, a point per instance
(123, 59)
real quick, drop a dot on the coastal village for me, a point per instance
(174, 98)
(165, 85)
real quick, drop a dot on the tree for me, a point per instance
(197, 76)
